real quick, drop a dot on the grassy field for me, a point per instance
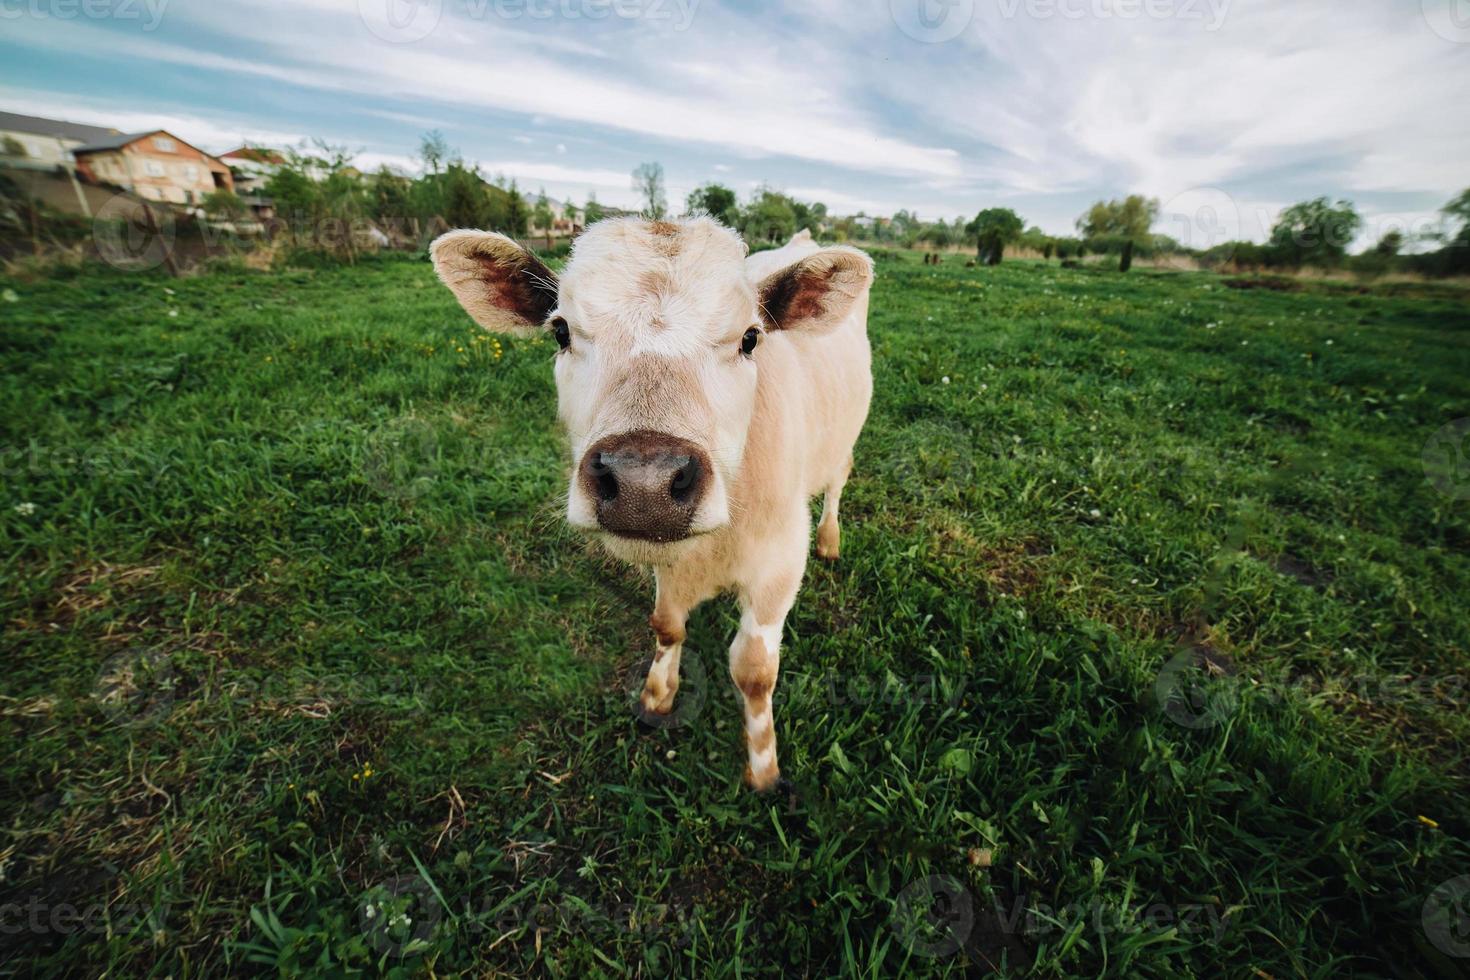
(1147, 654)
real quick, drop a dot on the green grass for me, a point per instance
(286, 532)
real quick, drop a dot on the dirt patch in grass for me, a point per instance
(87, 590)
(1273, 283)
(1297, 569)
(1012, 568)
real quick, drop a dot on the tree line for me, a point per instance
(319, 184)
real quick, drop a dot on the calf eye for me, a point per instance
(562, 332)
(748, 342)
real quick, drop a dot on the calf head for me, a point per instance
(660, 336)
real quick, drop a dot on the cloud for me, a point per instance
(788, 106)
(1039, 111)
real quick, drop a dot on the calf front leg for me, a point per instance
(829, 534)
(755, 661)
(670, 613)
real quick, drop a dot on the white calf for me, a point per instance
(707, 397)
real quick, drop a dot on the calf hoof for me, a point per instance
(770, 779)
(779, 788)
(652, 704)
(828, 545)
(652, 713)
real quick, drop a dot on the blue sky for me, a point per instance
(1224, 109)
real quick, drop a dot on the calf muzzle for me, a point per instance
(645, 484)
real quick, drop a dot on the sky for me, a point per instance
(1225, 110)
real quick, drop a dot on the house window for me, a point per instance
(191, 173)
(33, 149)
(163, 144)
(153, 168)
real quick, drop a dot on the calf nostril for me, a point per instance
(681, 488)
(607, 484)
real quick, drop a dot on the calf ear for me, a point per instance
(501, 285)
(817, 292)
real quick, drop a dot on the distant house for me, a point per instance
(37, 143)
(253, 167)
(156, 165)
(567, 220)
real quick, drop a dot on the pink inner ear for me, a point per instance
(524, 287)
(808, 302)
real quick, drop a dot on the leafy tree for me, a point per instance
(993, 229)
(223, 205)
(1459, 210)
(903, 227)
(939, 234)
(321, 197)
(1315, 232)
(465, 203)
(811, 217)
(434, 151)
(1391, 243)
(542, 217)
(769, 217)
(1119, 224)
(391, 195)
(1454, 259)
(648, 181)
(593, 211)
(715, 200)
(1038, 241)
(517, 215)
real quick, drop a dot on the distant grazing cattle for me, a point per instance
(707, 397)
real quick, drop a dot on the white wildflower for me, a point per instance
(25, 509)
